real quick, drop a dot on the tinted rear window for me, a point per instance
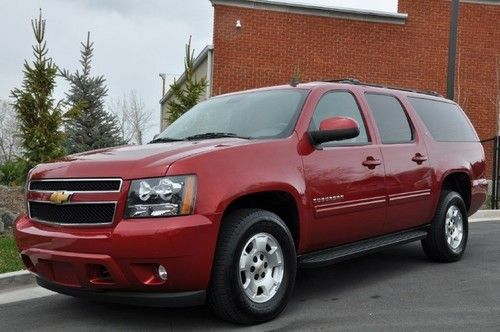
(446, 122)
(391, 119)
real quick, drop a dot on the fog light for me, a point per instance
(162, 272)
(28, 263)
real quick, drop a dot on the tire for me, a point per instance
(245, 231)
(444, 242)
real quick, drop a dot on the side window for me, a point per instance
(391, 119)
(340, 104)
(446, 122)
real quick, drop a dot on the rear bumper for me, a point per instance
(156, 299)
(479, 191)
(122, 258)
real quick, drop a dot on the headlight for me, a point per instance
(161, 197)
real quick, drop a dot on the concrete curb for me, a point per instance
(16, 279)
(485, 215)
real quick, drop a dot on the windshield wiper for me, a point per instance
(165, 140)
(214, 135)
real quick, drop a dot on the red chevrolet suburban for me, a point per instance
(245, 188)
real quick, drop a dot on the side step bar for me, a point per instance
(347, 251)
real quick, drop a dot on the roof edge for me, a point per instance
(197, 62)
(482, 2)
(317, 10)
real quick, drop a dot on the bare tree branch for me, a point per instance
(134, 119)
(117, 107)
(10, 141)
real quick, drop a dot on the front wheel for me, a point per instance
(254, 267)
(449, 230)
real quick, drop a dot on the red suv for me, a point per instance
(245, 188)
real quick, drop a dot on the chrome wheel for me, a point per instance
(261, 267)
(454, 227)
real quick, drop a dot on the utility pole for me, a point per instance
(452, 50)
(163, 78)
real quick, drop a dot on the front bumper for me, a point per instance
(122, 258)
(157, 299)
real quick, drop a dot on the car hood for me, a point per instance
(130, 162)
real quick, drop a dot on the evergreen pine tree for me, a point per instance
(40, 118)
(89, 125)
(186, 95)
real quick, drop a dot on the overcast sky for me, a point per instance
(134, 40)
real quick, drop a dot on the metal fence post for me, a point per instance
(494, 184)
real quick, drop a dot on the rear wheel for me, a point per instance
(447, 237)
(254, 267)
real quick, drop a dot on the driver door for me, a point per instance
(345, 179)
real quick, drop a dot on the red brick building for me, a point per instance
(409, 49)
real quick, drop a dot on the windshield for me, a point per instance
(260, 114)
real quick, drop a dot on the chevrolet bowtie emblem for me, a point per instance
(60, 197)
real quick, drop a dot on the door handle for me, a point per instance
(371, 162)
(419, 158)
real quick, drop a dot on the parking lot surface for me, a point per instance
(397, 289)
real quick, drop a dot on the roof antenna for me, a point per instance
(295, 77)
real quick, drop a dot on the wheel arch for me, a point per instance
(459, 181)
(279, 201)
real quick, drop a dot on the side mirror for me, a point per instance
(335, 129)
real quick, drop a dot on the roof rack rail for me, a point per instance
(355, 81)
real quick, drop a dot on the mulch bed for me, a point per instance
(12, 199)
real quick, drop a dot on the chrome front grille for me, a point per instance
(83, 203)
(77, 185)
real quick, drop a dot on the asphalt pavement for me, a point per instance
(397, 289)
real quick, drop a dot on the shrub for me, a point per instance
(13, 172)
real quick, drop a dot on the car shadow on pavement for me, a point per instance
(340, 278)
(325, 284)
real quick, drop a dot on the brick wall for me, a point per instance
(271, 45)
